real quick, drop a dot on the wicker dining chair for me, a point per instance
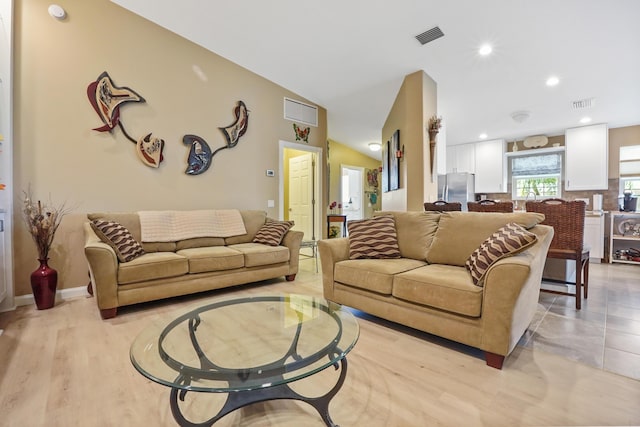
(567, 220)
(442, 206)
(490, 206)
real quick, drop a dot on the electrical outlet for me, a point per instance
(271, 203)
(585, 200)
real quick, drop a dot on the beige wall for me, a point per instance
(340, 154)
(58, 153)
(620, 137)
(415, 103)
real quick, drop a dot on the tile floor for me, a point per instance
(605, 333)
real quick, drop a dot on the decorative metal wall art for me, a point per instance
(106, 98)
(234, 131)
(301, 134)
(200, 154)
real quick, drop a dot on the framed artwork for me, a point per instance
(394, 162)
(385, 167)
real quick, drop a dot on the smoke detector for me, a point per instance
(520, 116)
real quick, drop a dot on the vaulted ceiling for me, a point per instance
(350, 56)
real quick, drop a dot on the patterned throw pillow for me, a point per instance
(373, 238)
(272, 232)
(119, 238)
(507, 241)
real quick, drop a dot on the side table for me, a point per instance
(337, 218)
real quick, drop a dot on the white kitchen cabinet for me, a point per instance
(490, 167)
(461, 158)
(594, 236)
(587, 158)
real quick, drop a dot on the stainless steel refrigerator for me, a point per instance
(457, 187)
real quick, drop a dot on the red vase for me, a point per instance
(44, 282)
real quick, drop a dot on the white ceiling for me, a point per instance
(350, 56)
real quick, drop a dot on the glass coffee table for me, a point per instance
(249, 348)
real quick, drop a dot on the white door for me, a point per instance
(352, 178)
(301, 193)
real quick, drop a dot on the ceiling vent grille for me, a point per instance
(430, 35)
(583, 103)
(300, 112)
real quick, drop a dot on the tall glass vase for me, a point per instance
(44, 282)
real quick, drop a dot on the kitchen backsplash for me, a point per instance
(609, 197)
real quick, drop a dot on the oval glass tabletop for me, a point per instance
(245, 343)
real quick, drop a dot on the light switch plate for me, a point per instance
(271, 203)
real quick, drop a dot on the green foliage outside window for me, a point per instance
(545, 187)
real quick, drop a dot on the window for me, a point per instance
(630, 169)
(536, 176)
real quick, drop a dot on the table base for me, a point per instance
(237, 400)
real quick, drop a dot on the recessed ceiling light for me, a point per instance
(485, 50)
(585, 120)
(483, 136)
(552, 81)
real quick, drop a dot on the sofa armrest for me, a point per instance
(331, 251)
(292, 240)
(511, 293)
(103, 267)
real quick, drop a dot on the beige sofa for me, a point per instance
(183, 267)
(430, 289)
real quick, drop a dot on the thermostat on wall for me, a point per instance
(271, 172)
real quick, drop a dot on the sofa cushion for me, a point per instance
(119, 238)
(159, 246)
(374, 275)
(213, 258)
(199, 242)
(272, 232)
(415, 231)
(253, 220)
(157, 265)
(373, 238)
(444, 287)
(508, 240)
(460, 233)
(257, 254)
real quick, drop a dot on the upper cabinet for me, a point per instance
(490, 167)
(461, 158)
(587, 158)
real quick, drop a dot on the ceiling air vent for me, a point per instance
(583, 103)
(430, 35)
(300, 112)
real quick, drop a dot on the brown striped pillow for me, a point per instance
(272, 232)
(373, 238)
(119, 238)
(507, 241)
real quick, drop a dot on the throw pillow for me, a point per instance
(373, 238)
(272, 232)
(508, 240)
(119, 238)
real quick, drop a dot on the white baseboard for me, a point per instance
(61, 295)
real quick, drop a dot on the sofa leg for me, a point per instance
(494, 360)
(290, 277)
(109, 313)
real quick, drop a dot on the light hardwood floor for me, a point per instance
(67, 367)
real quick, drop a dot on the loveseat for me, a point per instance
(143, 256)
(428, 285)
